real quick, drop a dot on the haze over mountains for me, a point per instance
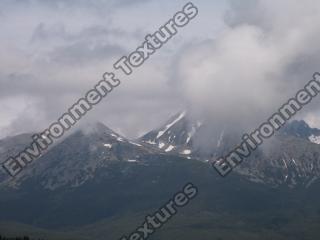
(99, 179)
(291, 156)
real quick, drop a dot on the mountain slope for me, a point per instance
(291, 157)
(96, 183)
(183, 135)
(74, 160)
(113, 204)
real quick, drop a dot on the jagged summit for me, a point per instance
(174, 136)
(302, 130)
(291, 157)
(184, 135)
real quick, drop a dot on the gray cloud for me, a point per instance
(82, 52)
(234, 64)
(266, 53)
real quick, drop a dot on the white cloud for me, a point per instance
(255, 64)
(238, 64)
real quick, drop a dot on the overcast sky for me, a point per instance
(236, 61)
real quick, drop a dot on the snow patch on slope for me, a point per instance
(186, 152)
(193, 131)
(132, 160)
(161, 145)
(160, 133)
(136, 144)
(170, 148)
(220, 139)
(314, 139)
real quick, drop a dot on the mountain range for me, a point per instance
(97, 184)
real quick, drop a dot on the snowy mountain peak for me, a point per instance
(175, 136)
(292, 157)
